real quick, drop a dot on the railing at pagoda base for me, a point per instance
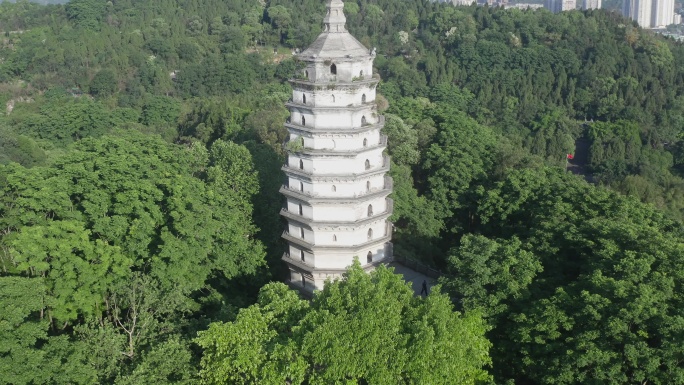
(418, 266)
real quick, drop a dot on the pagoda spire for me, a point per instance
(335, 20)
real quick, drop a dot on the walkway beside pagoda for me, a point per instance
(414, 277)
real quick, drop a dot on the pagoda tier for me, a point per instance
(337, 189)
(336, 186)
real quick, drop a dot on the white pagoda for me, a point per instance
(336, 184)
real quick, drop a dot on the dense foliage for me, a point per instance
(579, 284)
(384, 335)
(140, 154)
(121, 236)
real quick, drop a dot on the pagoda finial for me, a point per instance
(334, 20)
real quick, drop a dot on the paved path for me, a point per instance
(578, 165)
(413, 276)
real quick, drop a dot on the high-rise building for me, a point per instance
(591, 4)
(639, 11)
(336, 187)
(663, 13)
(556, 6)
(649, 13)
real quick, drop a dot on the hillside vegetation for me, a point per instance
(140, 153)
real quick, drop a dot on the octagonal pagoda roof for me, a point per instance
(335, 41)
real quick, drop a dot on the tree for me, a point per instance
(232, 169)
(159, 110)
(351, 8)
(280, 19)
(86, 13)
(365, 328)
(267, 125)
(27, 354)
(460, 157)
(416, 219)
(583, 281)
(77, 271)
(402, 140)
(63, 121)
(237, 75)
(212, 119)
(128, 235)
(487, 274)
(20, 149)
(374, 16)
(266, 216)
(104, 83)
(21, 329)
(170, 361)
(233, 39)
(553, 136)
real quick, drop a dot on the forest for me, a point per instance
(140, 152)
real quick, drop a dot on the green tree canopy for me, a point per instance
(104, 83)
(585, 284)
(366, 328)
(126, 235)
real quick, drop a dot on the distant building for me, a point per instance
(591, 4)
(456, 2)
(557, 6)
(491, 3)
(639, 11)
(677, 18)
(649, 13)
(524, 6)
(663, 13)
